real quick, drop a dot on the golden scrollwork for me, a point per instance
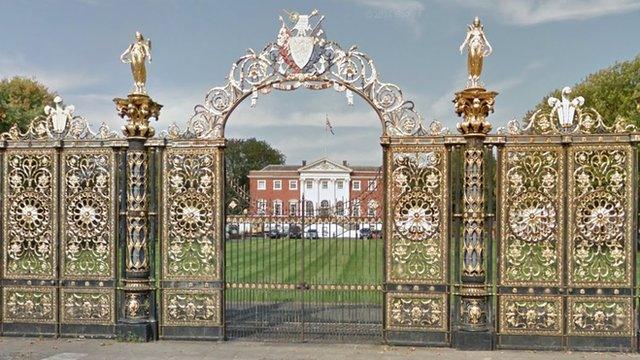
(532, 215)
(81, 306)
(600, 316)
(601, 218)
(137, 257)
(473, 213)
(191, 307)
(473, 312)
(532, 315)
(29, 305)
(424, 312)
(419, 215)
(189, 205)
(30, 214)
(88, 190)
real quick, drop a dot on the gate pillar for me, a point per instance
(136, 299)
(474, 330)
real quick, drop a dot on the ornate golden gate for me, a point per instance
(59, 227)
(568, 204)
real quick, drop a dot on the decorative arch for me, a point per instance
(301, 56)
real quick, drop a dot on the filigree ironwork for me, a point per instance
(58, 123)
(473, 213)
(302, 58)
(599, 316)
(191, 307)
(531, 315)
(189, 201)
(87, 306)
(30, 305)
(473, 312)
(88, 213)
(532, 215)
(419, 215)
(30, 211)
(407, 311)
(568, 116)
(600, 219)
(137, 257)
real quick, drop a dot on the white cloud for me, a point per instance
(409, 11)
(526, 12)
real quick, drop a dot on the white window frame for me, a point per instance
(293, 207)
(308, 184)
(340, 184)
(262, 184)
(262, 207)
(293, 184)
(324, 184)
(277, 205)
(371, 185)
(279, 182)
(355, 185)
(355, 208)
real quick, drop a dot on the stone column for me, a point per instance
(137, 319)
(474, 331)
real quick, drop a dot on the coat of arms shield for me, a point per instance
(301, 49)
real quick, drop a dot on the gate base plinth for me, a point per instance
(137, 332)
(473, 340)
(192, 333)
(416, 338)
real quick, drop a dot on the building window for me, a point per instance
(262, 207)
(355, 208)
(356, 185)
(277, 184)
(371, 209)
(340, 208)
(308, 208)
(293, 184)
(325, 184)
(277, 207)
(293, 208)
(262, 184)
(324, 208)
(372, 185)
(340, 184)
(309, 184)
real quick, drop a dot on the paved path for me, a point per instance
(76, 349)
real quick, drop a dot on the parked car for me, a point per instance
(312, 234)
(365, 233)
(275, 234)
(295, 232)
(376, 234)
(233, 232)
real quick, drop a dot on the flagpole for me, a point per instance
(326, 135)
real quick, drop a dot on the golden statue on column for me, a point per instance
(136, 54)
(478, 48)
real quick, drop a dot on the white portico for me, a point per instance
(325, 185)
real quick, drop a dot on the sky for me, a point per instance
(73, 47)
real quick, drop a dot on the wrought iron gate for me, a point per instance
(304, 277)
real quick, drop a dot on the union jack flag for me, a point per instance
(327, 125)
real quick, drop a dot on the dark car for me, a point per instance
(365, 233)
(376, 234)
(274, 234)
(312, 234)
(233, 232)
(295, 232)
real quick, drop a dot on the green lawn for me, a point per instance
(327, 261)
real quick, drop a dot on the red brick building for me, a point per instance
(327, 187)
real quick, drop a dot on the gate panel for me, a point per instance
(30, 233)
(88, 243)
(417, 244)
(191, 286)
(531, 251)
(600, 245)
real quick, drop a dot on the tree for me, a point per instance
(612, 92)
(244, 155)
(22, 100)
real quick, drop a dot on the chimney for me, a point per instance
(345, 163)
(304, 162)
